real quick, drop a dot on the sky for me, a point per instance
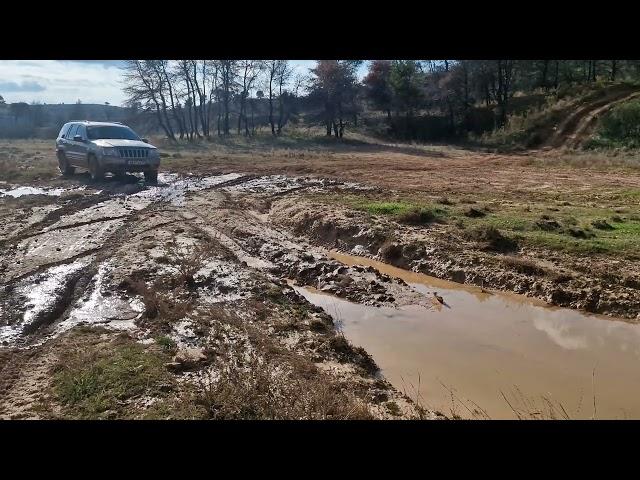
(67, 81)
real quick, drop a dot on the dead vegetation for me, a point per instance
(391, 251)
(162, 308)
(490, 238)
(188, 260)
(524, 265)
(256, 387)
(417, 216)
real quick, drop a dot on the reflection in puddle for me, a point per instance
(22, 191)
(171, 188)
(488, 344)
(117, 312)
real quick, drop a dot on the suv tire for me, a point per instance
(63, 165)
(151, 176)
(95, 170)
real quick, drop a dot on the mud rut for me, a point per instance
(68, 270)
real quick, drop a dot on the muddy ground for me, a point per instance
(124, 300)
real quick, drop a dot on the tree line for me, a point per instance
(455, 90)
(199, 98)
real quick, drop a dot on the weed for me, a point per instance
(474, 213)
(190, 261)
(417, 216)
(166, 343)
(391, 251)
(601, 225)
(490, 238)
(89, 382)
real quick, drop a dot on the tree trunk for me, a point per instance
(543, 79)
(272, 74)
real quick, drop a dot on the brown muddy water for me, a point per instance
(494, 355)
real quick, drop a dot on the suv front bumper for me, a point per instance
(129, 164)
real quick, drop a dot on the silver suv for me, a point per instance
(103, 147)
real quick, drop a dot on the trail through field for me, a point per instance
(577, 127)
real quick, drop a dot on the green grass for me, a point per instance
(166, 343)
(402, 211)
(630, 194)
(519, 221)
(623, 238)
(91, 381)
(384, 208)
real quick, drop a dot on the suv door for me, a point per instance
(71, 150)
(82, 148)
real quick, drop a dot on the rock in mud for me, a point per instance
(187, 359)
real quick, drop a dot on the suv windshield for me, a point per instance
(111, 132)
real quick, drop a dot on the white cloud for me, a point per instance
(62, 81)
(92, 81)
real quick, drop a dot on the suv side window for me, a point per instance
(82, 131)
(63, 131)
(71, 132)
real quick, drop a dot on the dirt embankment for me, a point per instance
(489, 261)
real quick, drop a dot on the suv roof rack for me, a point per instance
(89, 121)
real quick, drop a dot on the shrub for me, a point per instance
(417, 216)
(619, 128)
(491, 238)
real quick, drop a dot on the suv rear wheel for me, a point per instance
(97, 174)
(63, 165)
(151, 176)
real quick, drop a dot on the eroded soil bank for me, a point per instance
(596, 284)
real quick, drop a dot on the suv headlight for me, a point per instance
(153, 153)
(110, 152)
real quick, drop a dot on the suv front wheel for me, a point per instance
(151, 176)
(97, 174)
(63, 165)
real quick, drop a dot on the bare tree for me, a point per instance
(272, 68)
(283, 75)
(228, 73)
(144, 86)
(249, 71)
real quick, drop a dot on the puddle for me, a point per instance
(110, 310)
(172, 188)
(274, 184)
(482, 344)
(22, 191)
(38, 297)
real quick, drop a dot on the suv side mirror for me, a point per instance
(145, 140)
(77, 138)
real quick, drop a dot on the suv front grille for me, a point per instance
(134, 152)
